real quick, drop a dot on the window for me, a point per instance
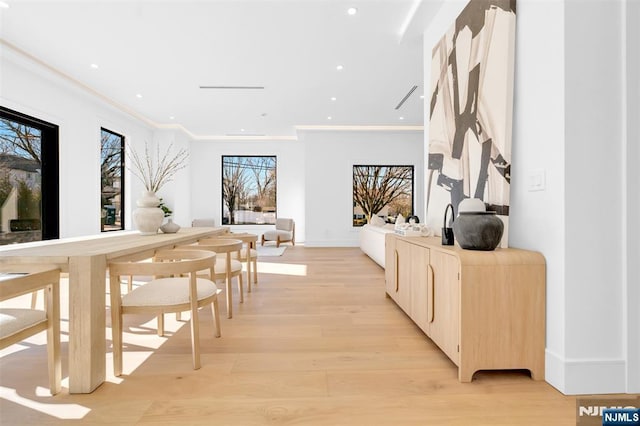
(111, 180)
(248, 190)
(385, 191)
(29, 185)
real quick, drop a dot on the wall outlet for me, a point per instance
(537, 180)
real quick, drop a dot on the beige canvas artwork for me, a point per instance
(471, 107)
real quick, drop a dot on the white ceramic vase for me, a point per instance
(148, 216)
(170, 227)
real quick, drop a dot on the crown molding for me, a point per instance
(362, 128)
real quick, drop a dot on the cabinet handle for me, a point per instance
(431, 290)
(396, 264)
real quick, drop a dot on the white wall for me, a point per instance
(330, 157)
(206, 179)
(537, 219)
(632, 233)
(594, 183)
(30, 88)
(569, 122)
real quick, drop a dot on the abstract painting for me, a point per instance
(471, 109)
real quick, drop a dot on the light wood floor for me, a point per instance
(316, 343)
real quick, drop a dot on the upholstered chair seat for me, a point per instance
(285, 232)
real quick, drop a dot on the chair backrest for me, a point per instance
(244, 237)
(167, 263)
(16, 280)
(283, 224)
(203, 223)
(218, 245)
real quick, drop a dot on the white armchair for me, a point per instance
(285, 232)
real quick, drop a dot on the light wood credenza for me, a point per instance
(86, 260)
(484, 309)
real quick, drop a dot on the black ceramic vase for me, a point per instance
(478, 230)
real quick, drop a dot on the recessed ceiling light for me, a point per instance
(421, 96)
(333, 98)
(94, 66)
(352, 11)
(339, 67)
(172, 118)
(329, 118)
(401, 118)
(4, 5)
(242, 130)
(139, 96)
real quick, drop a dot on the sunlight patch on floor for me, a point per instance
(282, 269)
(60, 411)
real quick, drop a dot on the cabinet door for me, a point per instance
(403, 275)
(420, 286)
(390, 265)
(444, 312)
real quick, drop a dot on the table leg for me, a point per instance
(87, 336)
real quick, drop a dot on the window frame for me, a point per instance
(50, 166)
(223, 206)
(358, 222)
(122, 178)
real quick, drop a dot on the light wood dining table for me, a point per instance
(86, 260)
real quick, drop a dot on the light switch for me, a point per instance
(537, 180)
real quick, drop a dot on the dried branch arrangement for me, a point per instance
(154, 175)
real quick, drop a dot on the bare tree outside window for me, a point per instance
(20, 182)
(111, 179)
(385, 191)
(248, 190)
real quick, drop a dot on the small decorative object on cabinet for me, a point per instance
(447, 231)
(478, 230)
(485, 310)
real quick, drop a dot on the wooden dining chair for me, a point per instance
(16, 324)
(226, 267)
(248, 254)
(175, 287)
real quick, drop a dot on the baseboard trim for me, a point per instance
(333, 243)
(585, 376)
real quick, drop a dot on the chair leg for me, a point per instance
(255, 271)
(215, 312)
(229, 304)
(240, 289)
(278, 242)
(160, 325)
(249, 270)
(116, 326)
(34, 299)
(262, 241)
(52, 302)
(195, 327)
(116, 339)
(129, 283)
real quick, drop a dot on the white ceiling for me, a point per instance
(166, 50)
